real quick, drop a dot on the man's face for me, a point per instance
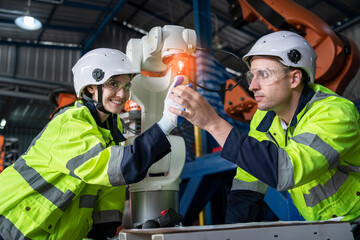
(270, 85)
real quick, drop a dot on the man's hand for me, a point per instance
(199, 112)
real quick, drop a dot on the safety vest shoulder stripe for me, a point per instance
(88, 201)
(39, 184)
(107, 216)
(116, 177)
(81, 159)
(9, 231)
(285, 171)
(79, 104)
(256, 186)
(313, 141)
(322, 192)
(62, 111)
(319, 96)
(348, 169)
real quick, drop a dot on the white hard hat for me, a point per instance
(292, 49)
(98, 65)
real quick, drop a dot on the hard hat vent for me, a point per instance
(294, 55)
(98, 74)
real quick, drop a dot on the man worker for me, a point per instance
(303, 138)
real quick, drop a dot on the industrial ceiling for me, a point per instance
(73, 27)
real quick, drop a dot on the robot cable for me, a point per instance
(223, 51)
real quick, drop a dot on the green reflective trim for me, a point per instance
(116, 177)
(9, 231)
(256, 186)
(313, 141)
(87, 201)
(322, 192)
(81, 159)
(285, 171)
(107, 216)
(39, 184)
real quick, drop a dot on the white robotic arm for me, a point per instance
(154, 53)
(159, 55)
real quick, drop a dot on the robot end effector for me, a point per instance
(154, 51)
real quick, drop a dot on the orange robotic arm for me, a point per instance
(338, 57)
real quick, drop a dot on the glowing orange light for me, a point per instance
(181, 65)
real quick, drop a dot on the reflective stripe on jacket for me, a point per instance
(317, 158)
(71, 176)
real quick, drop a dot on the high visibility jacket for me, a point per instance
(73, 175)
(316, 159)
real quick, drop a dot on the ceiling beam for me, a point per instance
(23, 94)
(42, 44)
(49, 18)
(109, 17)
(86, 6)
(33, 82)
(21, 88)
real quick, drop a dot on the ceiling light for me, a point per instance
(28, 22)
(2, 123)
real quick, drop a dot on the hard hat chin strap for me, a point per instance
(99, 105)
(112, 121)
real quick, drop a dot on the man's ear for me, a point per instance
(296, 78)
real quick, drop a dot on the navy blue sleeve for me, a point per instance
(148, 148)
(244, 206)
(260, 159)
(103, 231)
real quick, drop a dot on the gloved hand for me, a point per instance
(174, 119)
(169, 120)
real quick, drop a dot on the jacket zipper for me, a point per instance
(273, 139)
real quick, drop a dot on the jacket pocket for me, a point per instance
(42, 215)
